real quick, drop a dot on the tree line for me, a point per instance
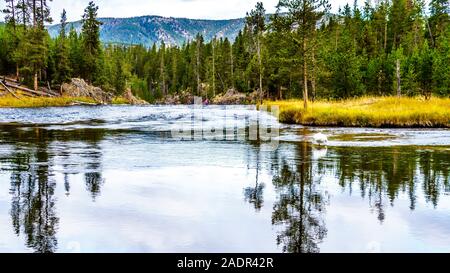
(391, 47)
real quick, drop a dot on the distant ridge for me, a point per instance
(149, 30)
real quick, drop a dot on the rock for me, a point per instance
(231, 97)
(79, 88)
(128, 96)
(184, 97)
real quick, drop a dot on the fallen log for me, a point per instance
(25, 94)
(81, 103)
(29, 90)
(49, 91)
(9, 90)
(10, 79)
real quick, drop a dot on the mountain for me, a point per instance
(147, 30)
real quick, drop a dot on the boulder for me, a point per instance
(231, 97)
(128, 96)
(79, 88)
(184, 97)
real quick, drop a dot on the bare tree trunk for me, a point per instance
(416, 29)
(379, 82)
(163, 75)
(214, 67)
(313, 74)
(260, 71)
(24, 18)
(232, 66)
(336, 40)
(34, 14)
(399, 87)
(431, 33)
(17, 72)
(36, 82)
(198, 67)
(280, 93)
(305, 76)
(42, 14)
(385, 34)
(13, 10)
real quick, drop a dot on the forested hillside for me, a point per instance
(148, 30)
(396, 47)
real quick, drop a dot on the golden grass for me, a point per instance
(368, 112)
(27, 102)
(119, 101)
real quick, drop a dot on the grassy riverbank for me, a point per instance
(368, 112)
(27, 102)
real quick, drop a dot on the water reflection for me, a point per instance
(255, 194)
(379, 174)
(304, 180)
(30, 163)
(387, 172)
(300, 205)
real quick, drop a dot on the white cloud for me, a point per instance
(198, 9)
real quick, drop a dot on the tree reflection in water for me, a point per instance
(255, 195)
(378, 175)
(33, 204)
(381, 174)
(301, 204)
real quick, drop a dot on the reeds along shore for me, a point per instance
(379, 112)
(27, 102)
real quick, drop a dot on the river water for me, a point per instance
(115, 179)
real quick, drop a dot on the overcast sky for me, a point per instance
(196, 9)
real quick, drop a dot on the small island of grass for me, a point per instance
(379, 112)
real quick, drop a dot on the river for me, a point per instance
(119, 179)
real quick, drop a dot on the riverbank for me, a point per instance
(27, 102)
(378, 112)
(76, 92)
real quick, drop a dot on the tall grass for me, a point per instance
(27, 102)
(368, 112)
(119, 101)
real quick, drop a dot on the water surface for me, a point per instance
(112, 179)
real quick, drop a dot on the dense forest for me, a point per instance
(391, 47)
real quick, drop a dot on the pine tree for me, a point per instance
(33, 48)
(345, 62)
(75, 55)
(62, 52)
(119, 79)
(10, 13)
(198, 64)
(91, 43)
(11, 17)
(162, 69)
(256, 25)
(439, 18)
(426, 70)
(301, 17)
(23, 13)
